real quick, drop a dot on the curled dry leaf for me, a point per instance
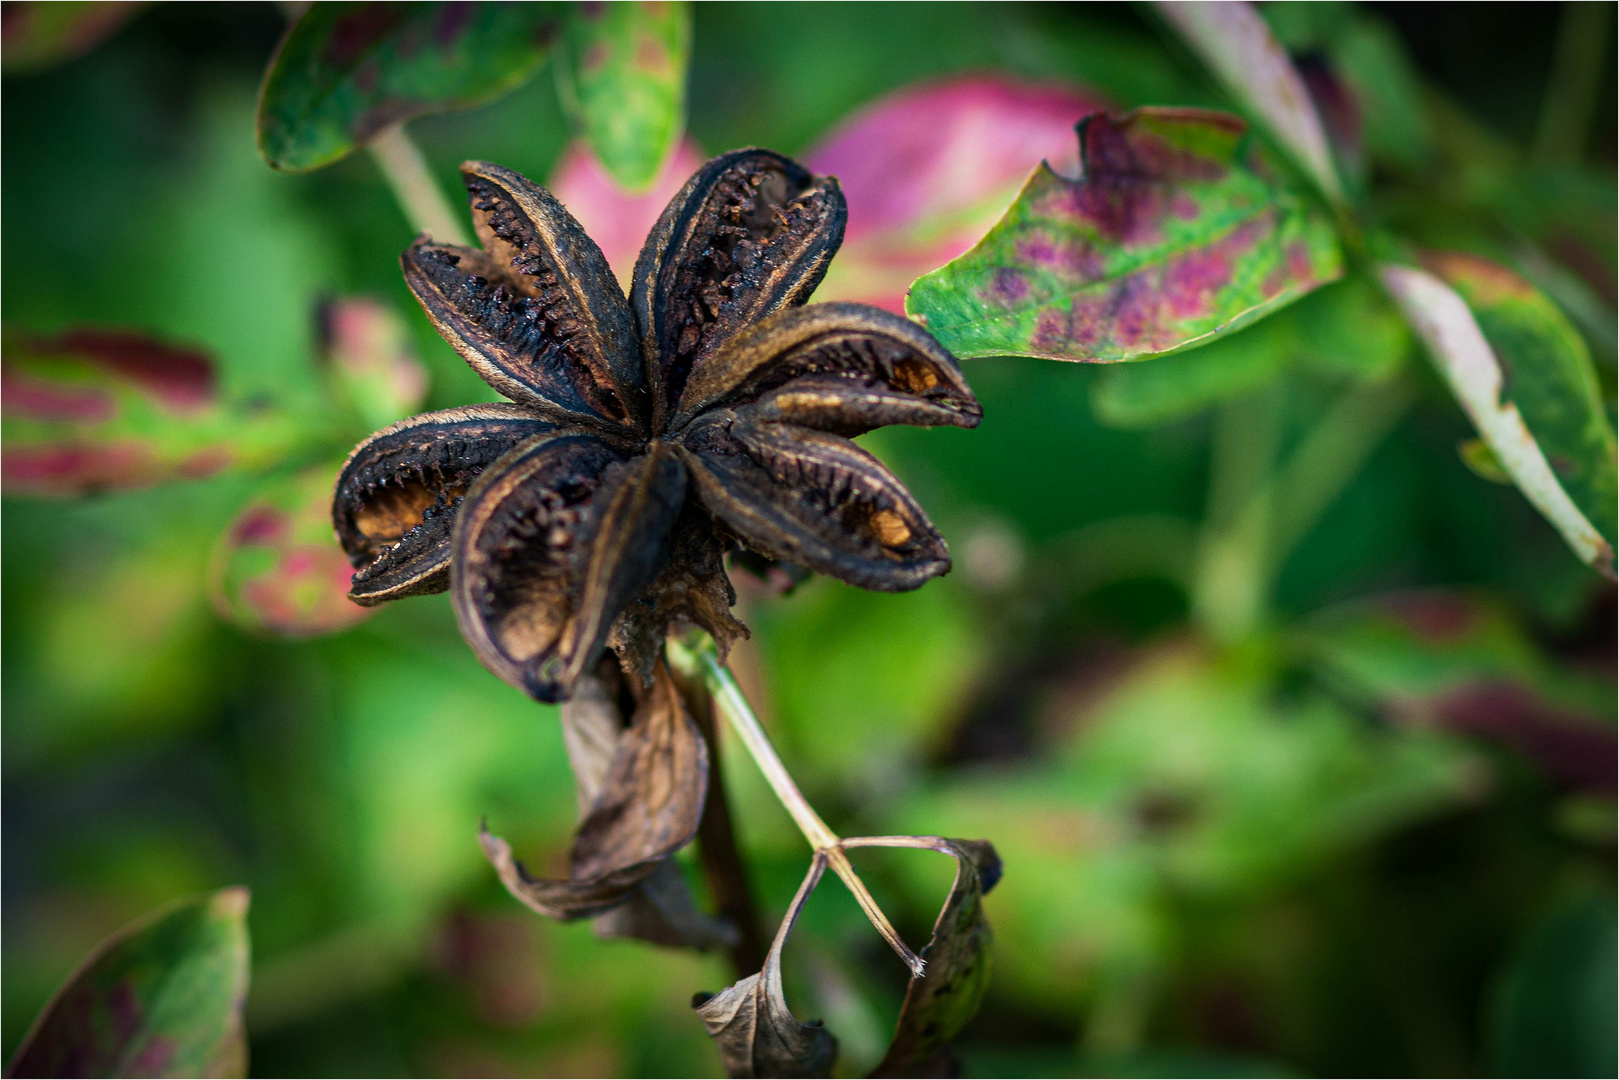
(345, 71)
(366, 347)
(161, 997)
(1550, 373)
(647, 808)
(756, 1033)
(276, 568)
(660, 909)
(1179, 229)
(939, 1004)
(98, 410)
(648, 434)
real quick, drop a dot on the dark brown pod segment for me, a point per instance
(750, 234)
(396, 497)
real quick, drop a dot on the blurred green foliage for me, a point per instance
(1250, 861)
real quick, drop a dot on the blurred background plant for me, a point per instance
(1330, 793)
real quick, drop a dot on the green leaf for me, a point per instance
(97, 410)
(366, 347)
(277, 568)
(162, 997)
(1238, 47)
(40, 35)
(345, 71)
(1523, 374)
(940, 1003)
(1181, 228)
(621, 74)
(1460, 662)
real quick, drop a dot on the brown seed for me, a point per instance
(889, 528)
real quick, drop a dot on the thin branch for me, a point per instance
(420, 197)
(697, 654)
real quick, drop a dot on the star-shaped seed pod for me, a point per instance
(645, 436)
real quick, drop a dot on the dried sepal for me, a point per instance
(756, 1033)
(751, 233)
(648, 808)
(839, 367)
(549, 548)
(396, 496)
(814, 499)
(939, 1004)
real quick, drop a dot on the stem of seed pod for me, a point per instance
(702, 656)
(420, 197)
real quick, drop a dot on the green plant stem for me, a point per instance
(1251, 535)
(1228, 591)
(702, 657)
(419, 196)
(1576, 77)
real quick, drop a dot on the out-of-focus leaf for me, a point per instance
(1351, 330)
(1238, 47)
(621, 74)
(928, 169)
(940, 1003)
(91, 410)
(1555, 1012)
(1524, 377)
(366, 344)
(1185, 778)
(346, 70)
(1177, 231)
(616, 219)
(1140, 395)
(162, 997)
(756, 1033)
(1367, 54)
(278, 568)
(36, 35)
(647, 809)
(1459, 662)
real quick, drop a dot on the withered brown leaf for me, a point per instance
(756, 1033)
(647, 808)
(939, 1004)
(660, 908)
(649, 435)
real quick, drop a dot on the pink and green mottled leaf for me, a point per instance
(1460, 661)
(35, 35)
(1239, 48)
(1347, 330)
(278, 568)
(366, 347)
(162, 997)
(928, 169)
(1523, 375)
(619, 220)
(621, 74)
(345, 70)
(1180, 228)
(95, 410)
